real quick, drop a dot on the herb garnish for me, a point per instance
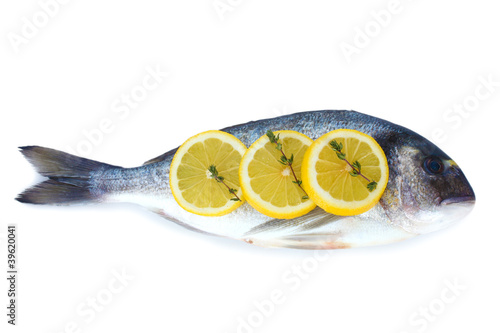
(356, 166)
(215, 175)
(286, 161)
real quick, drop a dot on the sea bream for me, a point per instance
(427, 190)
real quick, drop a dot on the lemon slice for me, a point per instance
(193, 185)
(267, 184)
(327, 180)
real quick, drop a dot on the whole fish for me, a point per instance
(427, 191)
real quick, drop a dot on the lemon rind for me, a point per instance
(177, 193)
(253, 198)
(321, 197)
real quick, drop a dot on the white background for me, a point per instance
(257, 59)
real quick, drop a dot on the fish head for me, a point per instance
(427, 189)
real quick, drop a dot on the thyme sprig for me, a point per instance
(215, 175)
(285, 160)
(355, 166)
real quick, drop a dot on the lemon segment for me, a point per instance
(327, 180)
(267, 184)
(191, 182)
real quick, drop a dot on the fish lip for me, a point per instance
(468, 199)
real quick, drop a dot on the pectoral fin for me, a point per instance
(310, 231)
(321, 230)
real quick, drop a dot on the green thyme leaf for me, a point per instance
(371, 186)
(357, 166)
(271, 136)
(213, 170)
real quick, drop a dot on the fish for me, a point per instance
(427, 191)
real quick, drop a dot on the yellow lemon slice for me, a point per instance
(191, 175)
(327, 178)
(267, 180)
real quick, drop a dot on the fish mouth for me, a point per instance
(467, 199)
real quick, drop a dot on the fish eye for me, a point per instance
(433, 165)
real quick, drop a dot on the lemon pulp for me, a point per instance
(327, 178)
(191, 182)
(267, 184)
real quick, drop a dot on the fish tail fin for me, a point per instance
(69, 177)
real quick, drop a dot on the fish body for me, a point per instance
(426, 191)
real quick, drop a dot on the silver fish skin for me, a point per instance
(427, 191)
